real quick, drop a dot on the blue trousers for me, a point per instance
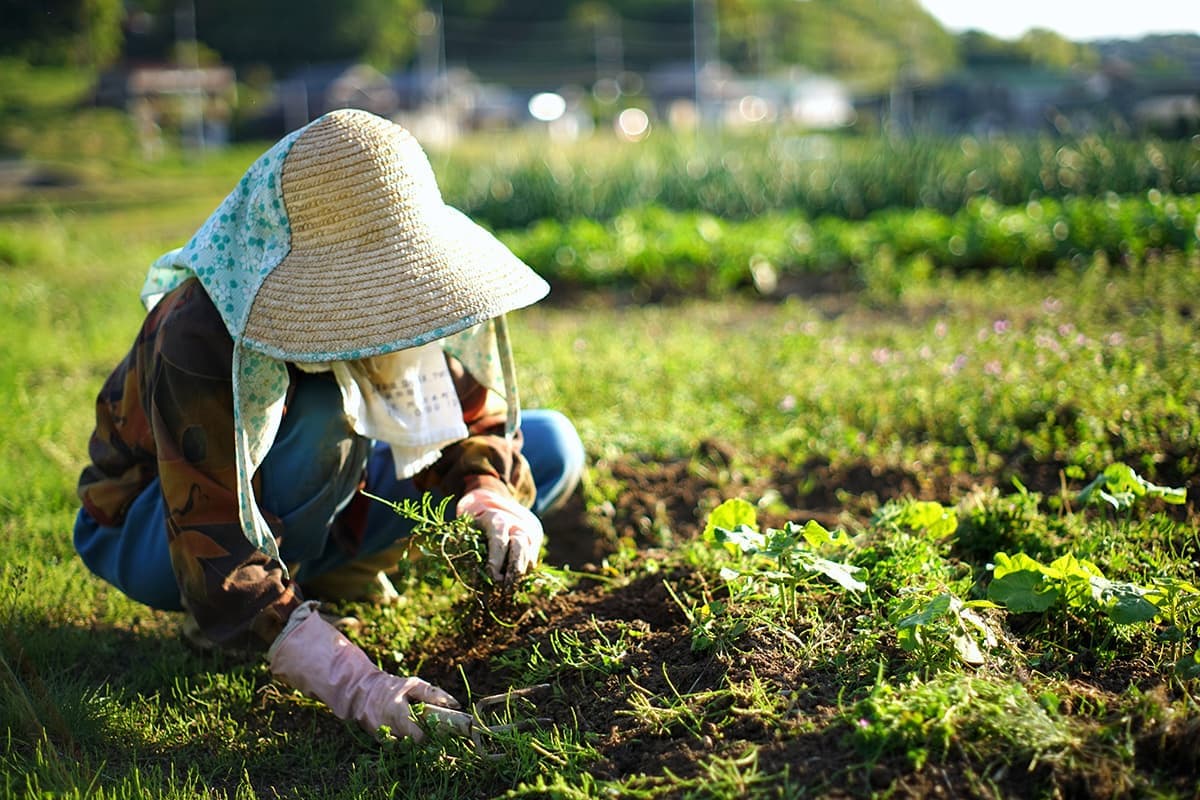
(308, 477)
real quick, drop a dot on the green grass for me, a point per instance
(961, 383)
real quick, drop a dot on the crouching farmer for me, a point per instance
(334, 325)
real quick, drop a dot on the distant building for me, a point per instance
(197, 102)
(1027, 100)
(718, 94)
(315, 90)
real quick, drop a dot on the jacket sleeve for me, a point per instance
(238, 595)
(486, 458)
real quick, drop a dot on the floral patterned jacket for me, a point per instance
(166, 411)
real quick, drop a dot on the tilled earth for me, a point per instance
(804, 740)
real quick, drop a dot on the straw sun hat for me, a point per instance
(377, 261)
(336, 245)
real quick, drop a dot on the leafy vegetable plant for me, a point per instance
(1022, 584)
(781, 558)
(1121, 487)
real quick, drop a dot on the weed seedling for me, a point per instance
(453, 546)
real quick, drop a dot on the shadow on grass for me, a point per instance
(93, 700)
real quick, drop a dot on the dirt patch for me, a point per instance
(658, 707)
(661, 501)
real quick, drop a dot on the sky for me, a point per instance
(1079, 20)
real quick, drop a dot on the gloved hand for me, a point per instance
(314, 657)
(514, 533)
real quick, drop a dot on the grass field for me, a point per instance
(693, 647)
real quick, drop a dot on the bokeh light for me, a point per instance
(632, 124)
(547, 106)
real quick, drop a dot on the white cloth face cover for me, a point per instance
(406, 399)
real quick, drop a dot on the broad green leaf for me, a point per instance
(1174, 585)
(1069, 566)
(741, 539)
(1120, 486)
(816, 534)
(730, 515)
(1074, 576)
(1122, 478)
(1188, 666)
(929, 515)
(841, 574)
(1017, 562)
(1174, 496)
(1023, 591)
(934, 610)
(909, 638)
(1125, 603)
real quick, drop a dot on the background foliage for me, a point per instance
(868, 42)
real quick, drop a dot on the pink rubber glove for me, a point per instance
(514, 534)
(313, 656)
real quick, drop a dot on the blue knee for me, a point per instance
(556, 456)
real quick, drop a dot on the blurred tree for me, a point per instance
(1049, 49)
(62, 32)
(285, 34)
(1038, 47)
(868, 42)
(979, 49)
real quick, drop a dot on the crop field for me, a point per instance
(894, 451)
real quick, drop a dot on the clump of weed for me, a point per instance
(990, 522)
(450, 552)
(911, 538)
(930, 720)
(450, 549)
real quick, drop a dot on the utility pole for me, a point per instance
(431, 27)
(705, 39)
(610, 51)
(188, 54)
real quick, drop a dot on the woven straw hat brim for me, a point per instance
(377, 261)
(341, 304)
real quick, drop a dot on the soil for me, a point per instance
(666, 501)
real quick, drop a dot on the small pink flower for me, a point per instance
(992, 368)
